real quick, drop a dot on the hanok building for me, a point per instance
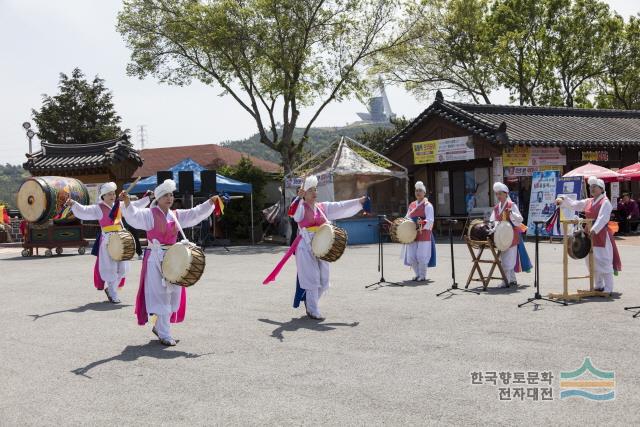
(93, 163)
(459, 150)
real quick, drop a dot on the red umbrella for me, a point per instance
(607, 175)
(631, 172)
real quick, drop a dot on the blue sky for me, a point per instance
(41, 38)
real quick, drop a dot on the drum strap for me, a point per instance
(112, 228)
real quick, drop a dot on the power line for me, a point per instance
(142, 135)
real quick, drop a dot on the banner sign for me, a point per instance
(442, 150)
(571, 187)
(542, 203)
(534, 156)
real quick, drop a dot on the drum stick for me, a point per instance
(133, 184)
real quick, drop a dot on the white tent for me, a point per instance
(346, 174)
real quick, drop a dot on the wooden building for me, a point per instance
(94, 163)
(459, 150)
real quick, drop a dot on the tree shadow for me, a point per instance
(132, 353)
(302, 323)
(92, 306)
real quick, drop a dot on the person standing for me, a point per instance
(506, 210)
(605, 252)
(418, 253)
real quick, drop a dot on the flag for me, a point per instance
(116, 214)
(218, 206)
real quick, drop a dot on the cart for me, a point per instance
(53, 237)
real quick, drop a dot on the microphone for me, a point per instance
(452, 221)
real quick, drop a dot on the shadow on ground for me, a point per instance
(92, 306)
(132, 353)
(297, 323)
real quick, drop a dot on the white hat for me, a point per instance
(595, 181)
(420, 186)
(168, 186)
(107, 187)
(498, 186)
(310, 182)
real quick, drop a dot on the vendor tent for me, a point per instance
(607, 175)
(344, 173)
(223, 184)
(631, 172)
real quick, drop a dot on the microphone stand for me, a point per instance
(382, 281)
(454, 285)
(536, 271)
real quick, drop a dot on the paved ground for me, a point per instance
(383, 356)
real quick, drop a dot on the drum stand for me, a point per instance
(536, 271)
(454, 285)
(382, 281)
(477, 261)
(634, 308)
(591, 292)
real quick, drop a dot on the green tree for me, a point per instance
(273, 57)
(237, 215)
(619, 85)
(523, 49)
(11, 178)
(376, 138)
(578, 33)
(82, 112)
(450, 49)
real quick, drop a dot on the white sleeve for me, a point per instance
(142, 219)
(141, 203)
(299, 213)
(344, 209)
(492, 218)
(516, 216)
(194, 216)
(576, 205)
(428, 213)
(91, 212)
(604, 216)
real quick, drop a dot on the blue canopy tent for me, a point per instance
(223, 184)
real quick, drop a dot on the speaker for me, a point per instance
(185, 182)
(162, 175)
(208, 178)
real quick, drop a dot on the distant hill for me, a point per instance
(11, 178)
(319, 138)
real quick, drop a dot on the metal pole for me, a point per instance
(253, 241)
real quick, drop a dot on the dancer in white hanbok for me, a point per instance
(155, 295)
(506, 210)
(418, 253)
(313, 273)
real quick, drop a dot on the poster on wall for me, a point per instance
(442, 150)
(542, 202)
(571, 187)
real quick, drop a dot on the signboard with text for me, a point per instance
(533, 156)
(442, 150)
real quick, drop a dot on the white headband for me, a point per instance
(498, 186)
(168, 186)
(595, 181)
(107, 187)
(310, 182)
(420, 186)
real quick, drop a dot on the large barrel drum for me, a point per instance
(40, 198)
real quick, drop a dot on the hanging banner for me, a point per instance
(534, 156)
(442, 150)
(595, 156)
(542, 202)
(517, 171)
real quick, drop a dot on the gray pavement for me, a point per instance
(391, 355)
